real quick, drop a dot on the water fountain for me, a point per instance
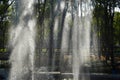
(74, 18)
(22, 38)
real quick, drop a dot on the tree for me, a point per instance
(117, 28)
(105, 26)
(4, 21)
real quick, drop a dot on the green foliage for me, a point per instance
(4, 21)
(106, 19)
(117, 28)
(3, 50)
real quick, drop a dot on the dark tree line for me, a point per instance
(4, 21)
(104, 11)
